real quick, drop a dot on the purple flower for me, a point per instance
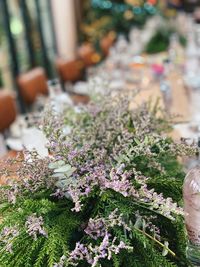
(7, 236)
(96, 228)
(35, 227)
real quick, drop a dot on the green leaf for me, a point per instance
(137, 141)
(165, 249)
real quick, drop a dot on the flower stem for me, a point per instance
(157, 241)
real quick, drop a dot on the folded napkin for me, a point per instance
(34, 139)
(31, 139)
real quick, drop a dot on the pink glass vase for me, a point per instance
(191, 194)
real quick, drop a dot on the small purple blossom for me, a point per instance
(92, 254)
(35, 227)
(7, 236)
(96, 228)
(61, 263)
(164, 205)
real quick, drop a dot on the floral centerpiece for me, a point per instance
(108, 193)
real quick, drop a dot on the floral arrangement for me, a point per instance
(108, 194)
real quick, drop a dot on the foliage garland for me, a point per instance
(102, 16)
(160, 41)
(108, 194)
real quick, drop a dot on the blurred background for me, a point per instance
(57, 50)
(36, 32)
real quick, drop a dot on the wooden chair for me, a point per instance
(31, 84)
(79, 99)
(8, 113)
(69, 70)
(107, 42)
(8, 110)
(88, 54)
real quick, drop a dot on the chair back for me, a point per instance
(8, 110)
(88, 54)
(106, 43)
(70, 70)
(31, 84)
(80, 99)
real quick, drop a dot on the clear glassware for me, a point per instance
(54, 88)
(191, 193)
(58, 99)
(3, 148)
(173, 47)
(166, 91)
